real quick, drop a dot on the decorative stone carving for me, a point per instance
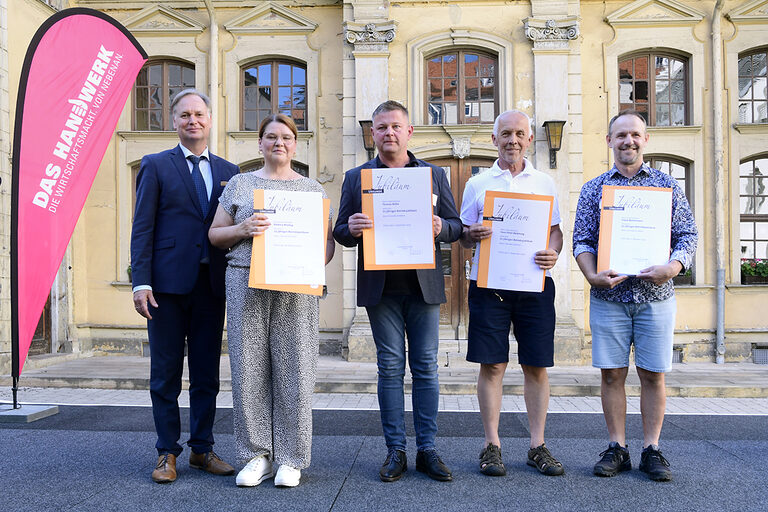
(552, 30)
(551, 34)
(370, 36)
(460, 147)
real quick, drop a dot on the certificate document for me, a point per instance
(291, 251)
(399, 202)
(520, 226)
(635, 228)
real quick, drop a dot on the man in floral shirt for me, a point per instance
(639, 309)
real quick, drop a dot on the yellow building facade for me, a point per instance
(697, 68)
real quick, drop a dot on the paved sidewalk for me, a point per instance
(335, 375)
(368, 402)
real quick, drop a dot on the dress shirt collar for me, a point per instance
(498, 171)
(644, 168)
(187, 152)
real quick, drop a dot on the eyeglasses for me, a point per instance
(271, 139)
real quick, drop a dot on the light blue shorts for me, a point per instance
(650, 326)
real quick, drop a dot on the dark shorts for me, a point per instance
(531, 314)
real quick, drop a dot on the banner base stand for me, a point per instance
(26, 413)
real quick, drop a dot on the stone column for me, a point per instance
(554, 31)
(5, 196)
(367, 33)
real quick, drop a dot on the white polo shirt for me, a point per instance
(529, 181)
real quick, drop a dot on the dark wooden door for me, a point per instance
(41, 340)
(457, 260)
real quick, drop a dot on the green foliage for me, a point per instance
(756, 267)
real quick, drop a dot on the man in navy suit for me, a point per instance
(402, 301)
(178, 282)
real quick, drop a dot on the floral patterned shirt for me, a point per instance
(587, 228)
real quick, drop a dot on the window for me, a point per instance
(157, 84)
(678, 169)
(274, 87)
(257, 164)
(656, 85)
(461, 88)
(753, 199)
(753, 87)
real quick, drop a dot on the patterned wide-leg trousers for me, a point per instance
(273, 348)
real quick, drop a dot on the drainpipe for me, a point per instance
(213, 73)
(717, 120)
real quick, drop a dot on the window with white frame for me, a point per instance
(753, 87)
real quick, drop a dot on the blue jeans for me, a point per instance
(391, 319)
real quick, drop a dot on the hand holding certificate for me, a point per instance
(290, 255)
(635, 228)
(399, 202)
(521, 226)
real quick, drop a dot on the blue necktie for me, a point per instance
(197, 178)
(202, 196)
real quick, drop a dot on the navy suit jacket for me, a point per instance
(370, 283)
(169, 229)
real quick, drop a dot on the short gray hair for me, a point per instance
(187, 92)
(512, 111)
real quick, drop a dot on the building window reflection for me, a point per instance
(274, 87)
(753, 87)
(461, 88)
(656, 85)
(156, 85)
(753, 208)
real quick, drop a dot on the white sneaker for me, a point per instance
(287, 476)
(256, 471)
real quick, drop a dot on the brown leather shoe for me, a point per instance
(211, 463)
(165, 471)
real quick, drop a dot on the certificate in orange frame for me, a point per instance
(652, 242)
(256, 275)
(368, 192)
(490, 216)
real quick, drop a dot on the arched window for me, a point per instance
(157, 83)
(676, 168)
(753, 87)
(461, 88)
(753, 208)
(272, 87)
(255, 165)
(680, 170)
(656, 85)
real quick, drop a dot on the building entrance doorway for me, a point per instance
(454, 314)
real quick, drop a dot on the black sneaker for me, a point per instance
(613, 460)
(541, 459)
(654, 463)
(491, 463)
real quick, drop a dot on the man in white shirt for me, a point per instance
(491, 311)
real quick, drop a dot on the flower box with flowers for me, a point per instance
(754, 271)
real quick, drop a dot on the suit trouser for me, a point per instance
(198, 319)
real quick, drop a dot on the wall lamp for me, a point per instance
(554, 131)
(366, 125)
